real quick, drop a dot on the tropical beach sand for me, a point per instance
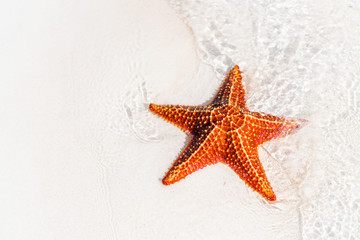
(83, 158)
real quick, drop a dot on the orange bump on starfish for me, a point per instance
(225, 131)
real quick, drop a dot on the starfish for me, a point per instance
(225, 131)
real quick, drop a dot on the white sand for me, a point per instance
(82, 157)
(70, 167)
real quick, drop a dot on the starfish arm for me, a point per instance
(203, 150)
(264, 127)
(243, 158)
(232, 91)
(184, 117)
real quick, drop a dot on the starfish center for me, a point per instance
(227, 118)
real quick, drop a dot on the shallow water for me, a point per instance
(300, 60)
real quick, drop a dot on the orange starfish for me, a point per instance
(225, 131)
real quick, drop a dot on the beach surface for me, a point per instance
(82, 157)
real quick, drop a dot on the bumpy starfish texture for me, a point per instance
(225, 131)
